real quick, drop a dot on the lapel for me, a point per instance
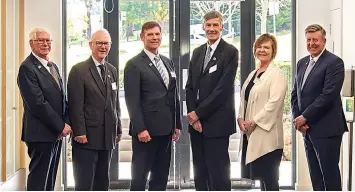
(95, 74)
(215, 57)
(44, 71)
(265, 75)
(108, 85)
(152, 66)
(319, 61)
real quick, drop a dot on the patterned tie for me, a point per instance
(102, 69)
(308, 70)
(54, 73)
(207, 57)
(162, 70)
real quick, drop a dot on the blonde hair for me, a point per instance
(266, 38)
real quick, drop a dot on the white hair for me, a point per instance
(100, 30)
(33, 33)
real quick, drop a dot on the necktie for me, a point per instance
(102, 69)
(207, 57)
(162, 70)
(308, 70)
(54, 73)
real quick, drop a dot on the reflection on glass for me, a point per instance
(231, 34)
(132, 15)
(83, 18)
(275, 18)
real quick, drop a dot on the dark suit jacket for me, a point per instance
(215, 105)
(95, 108)
(319, 101)
(151, 106)
(45, 108)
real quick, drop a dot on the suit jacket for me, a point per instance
(215, 105)
(151, 105)
(265, 107)
(45, 107)
(319, 101)
(95, 107)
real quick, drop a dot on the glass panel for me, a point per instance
(1, 48)
(231, 33)
(83, 18)
(11, 86)
(274, 16)
(132, 14)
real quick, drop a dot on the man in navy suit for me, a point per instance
(45, 115)
(317, 109)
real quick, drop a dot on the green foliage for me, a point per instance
(120, 78)
(286, 67)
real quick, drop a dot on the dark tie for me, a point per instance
(53, 72)
(102, 68)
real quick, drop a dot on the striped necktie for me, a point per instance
(162, 70)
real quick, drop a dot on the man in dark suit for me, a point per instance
(210, 106)
(317, 109)
(45, 112)
(153, 105)
(95, 115)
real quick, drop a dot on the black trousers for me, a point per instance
(211, 162)
(153, 157)
(43, 165)
(91, 169)
(323, 156)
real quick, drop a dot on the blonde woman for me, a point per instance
(260, 117)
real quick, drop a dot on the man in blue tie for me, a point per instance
(153, 105)
(317, 109)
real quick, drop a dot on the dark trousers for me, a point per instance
(91, 169)
(153, 157)
(323, 162)
(211, 162)
(43, 165)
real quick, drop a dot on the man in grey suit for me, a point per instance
(153, 106)
(317, 109)
(95, 115)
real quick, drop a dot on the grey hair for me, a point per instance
(33, 33)
(211, 15)
(100, 30)
(314, 28)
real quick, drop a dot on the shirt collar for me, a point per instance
(43, 61)
(150, 54)
(316, 58)
(215, 44)
(97, 63)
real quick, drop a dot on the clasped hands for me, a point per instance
(66, 131)
(83, 139)
(144, 136)
(194, 121)
(300, 124)
(246, 126)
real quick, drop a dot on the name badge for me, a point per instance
(213, 69)
(173, 74)
(114, 86)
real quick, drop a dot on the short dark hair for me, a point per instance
(266, 38)
(211, 15)
(150, 25)
(314, 28)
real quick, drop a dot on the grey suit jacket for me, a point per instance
(95, 106)
(151, 105)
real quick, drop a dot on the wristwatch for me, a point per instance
(253, 124)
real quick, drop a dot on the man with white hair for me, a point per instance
(94, 114)
(45, 119)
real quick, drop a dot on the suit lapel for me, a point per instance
(216, 55)
(152, 66)
(45, 72)
(108, 87)
(95, 74)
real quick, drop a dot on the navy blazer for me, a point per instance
(319, 101)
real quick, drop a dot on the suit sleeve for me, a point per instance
(221, 92)
(132, 95)
(178, 124)
(76, 102)
(33, 99)
(118, 109)
(266, 117)
(294, 99)
(190, 97)
(334, 78)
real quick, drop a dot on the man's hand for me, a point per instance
(81, 139)
(144, 136)
(66, 131)
(192, 117)
(176, 134)
(299, 121)
(118, 138)
(303, 128)
(197, 126)
(241, 124)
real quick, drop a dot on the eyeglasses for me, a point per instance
(42, 41)
(100, 44)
